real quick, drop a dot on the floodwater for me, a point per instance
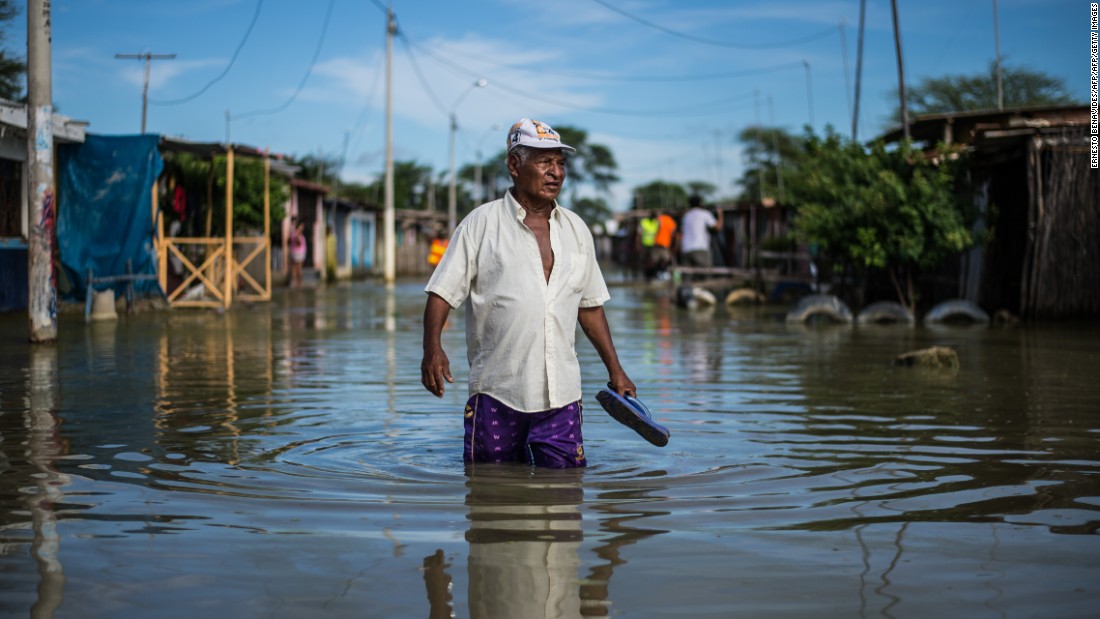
(282, 460)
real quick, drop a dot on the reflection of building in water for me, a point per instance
(524, 535)
(203, 378)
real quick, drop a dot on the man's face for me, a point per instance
(542, 176)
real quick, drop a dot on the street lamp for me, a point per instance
(451, 207)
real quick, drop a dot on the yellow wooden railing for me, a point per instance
(220, 272)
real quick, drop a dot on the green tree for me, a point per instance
(594, 211)
(416, 186)
(318, 168)
(660, 195)
(899, 211)
(702, 189)
(205, 179)
(593, 164)
(248, 191)
(771, 157)
(961, 93)
(12, 68)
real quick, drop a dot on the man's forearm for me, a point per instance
(594, 323)
(435, 316)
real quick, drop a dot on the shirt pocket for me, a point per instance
(576, 276)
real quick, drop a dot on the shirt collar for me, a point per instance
(521, 213)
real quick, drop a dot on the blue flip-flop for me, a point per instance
(630, 412)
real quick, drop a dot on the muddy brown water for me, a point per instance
(282, 460)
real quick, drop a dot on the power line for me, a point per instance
(240, 46)
(364, 116)
(420, 77)
(824, 33)
(712, 107)
(305, 78)
(606, 77)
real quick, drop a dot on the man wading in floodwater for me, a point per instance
(526, 269)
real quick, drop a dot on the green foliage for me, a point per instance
(898, 210)
(771, 157)
(959, 93)
(318, 168)
(248, 191)
(12, 68)
(702, 189)
(412, 186)
(592, 163)
(661, 195)
(204, 180)
(594, 211)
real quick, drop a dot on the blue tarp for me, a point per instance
(105, 208)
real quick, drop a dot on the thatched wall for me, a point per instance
(1061, 270)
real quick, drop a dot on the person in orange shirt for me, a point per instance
(662, 245)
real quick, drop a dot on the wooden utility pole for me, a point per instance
(859, 68)
(42, 220)
(147, 57)
(997, 46)
(901, 72)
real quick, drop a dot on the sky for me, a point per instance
(667, 85)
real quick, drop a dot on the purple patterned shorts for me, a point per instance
(496, 433)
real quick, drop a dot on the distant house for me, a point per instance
(414, 231)
(307, 203)
(1037, 191)
(14, 208)
(354, 225)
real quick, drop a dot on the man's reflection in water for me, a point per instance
(525, 529)
(524, 535)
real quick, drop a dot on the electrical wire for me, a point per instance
(824, 33)
(420, 77)
(305, 78)
(364, 116)
(237, 52)
(607, 77)
(711, 107)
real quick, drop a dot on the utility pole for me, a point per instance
(147, 57)
(775, 148)
(42, 220)
(760, 146)
(901, 72)
(809, 91)
(388, 237)
(859, 68)
(997, 45)
(847, 74)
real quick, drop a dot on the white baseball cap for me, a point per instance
(535, 134)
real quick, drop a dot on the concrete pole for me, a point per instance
(452, 188)
(389, 247)
(41, 281)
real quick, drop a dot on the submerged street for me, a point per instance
(283, 460)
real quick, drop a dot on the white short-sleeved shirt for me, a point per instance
(695, 229)
(520, 328)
